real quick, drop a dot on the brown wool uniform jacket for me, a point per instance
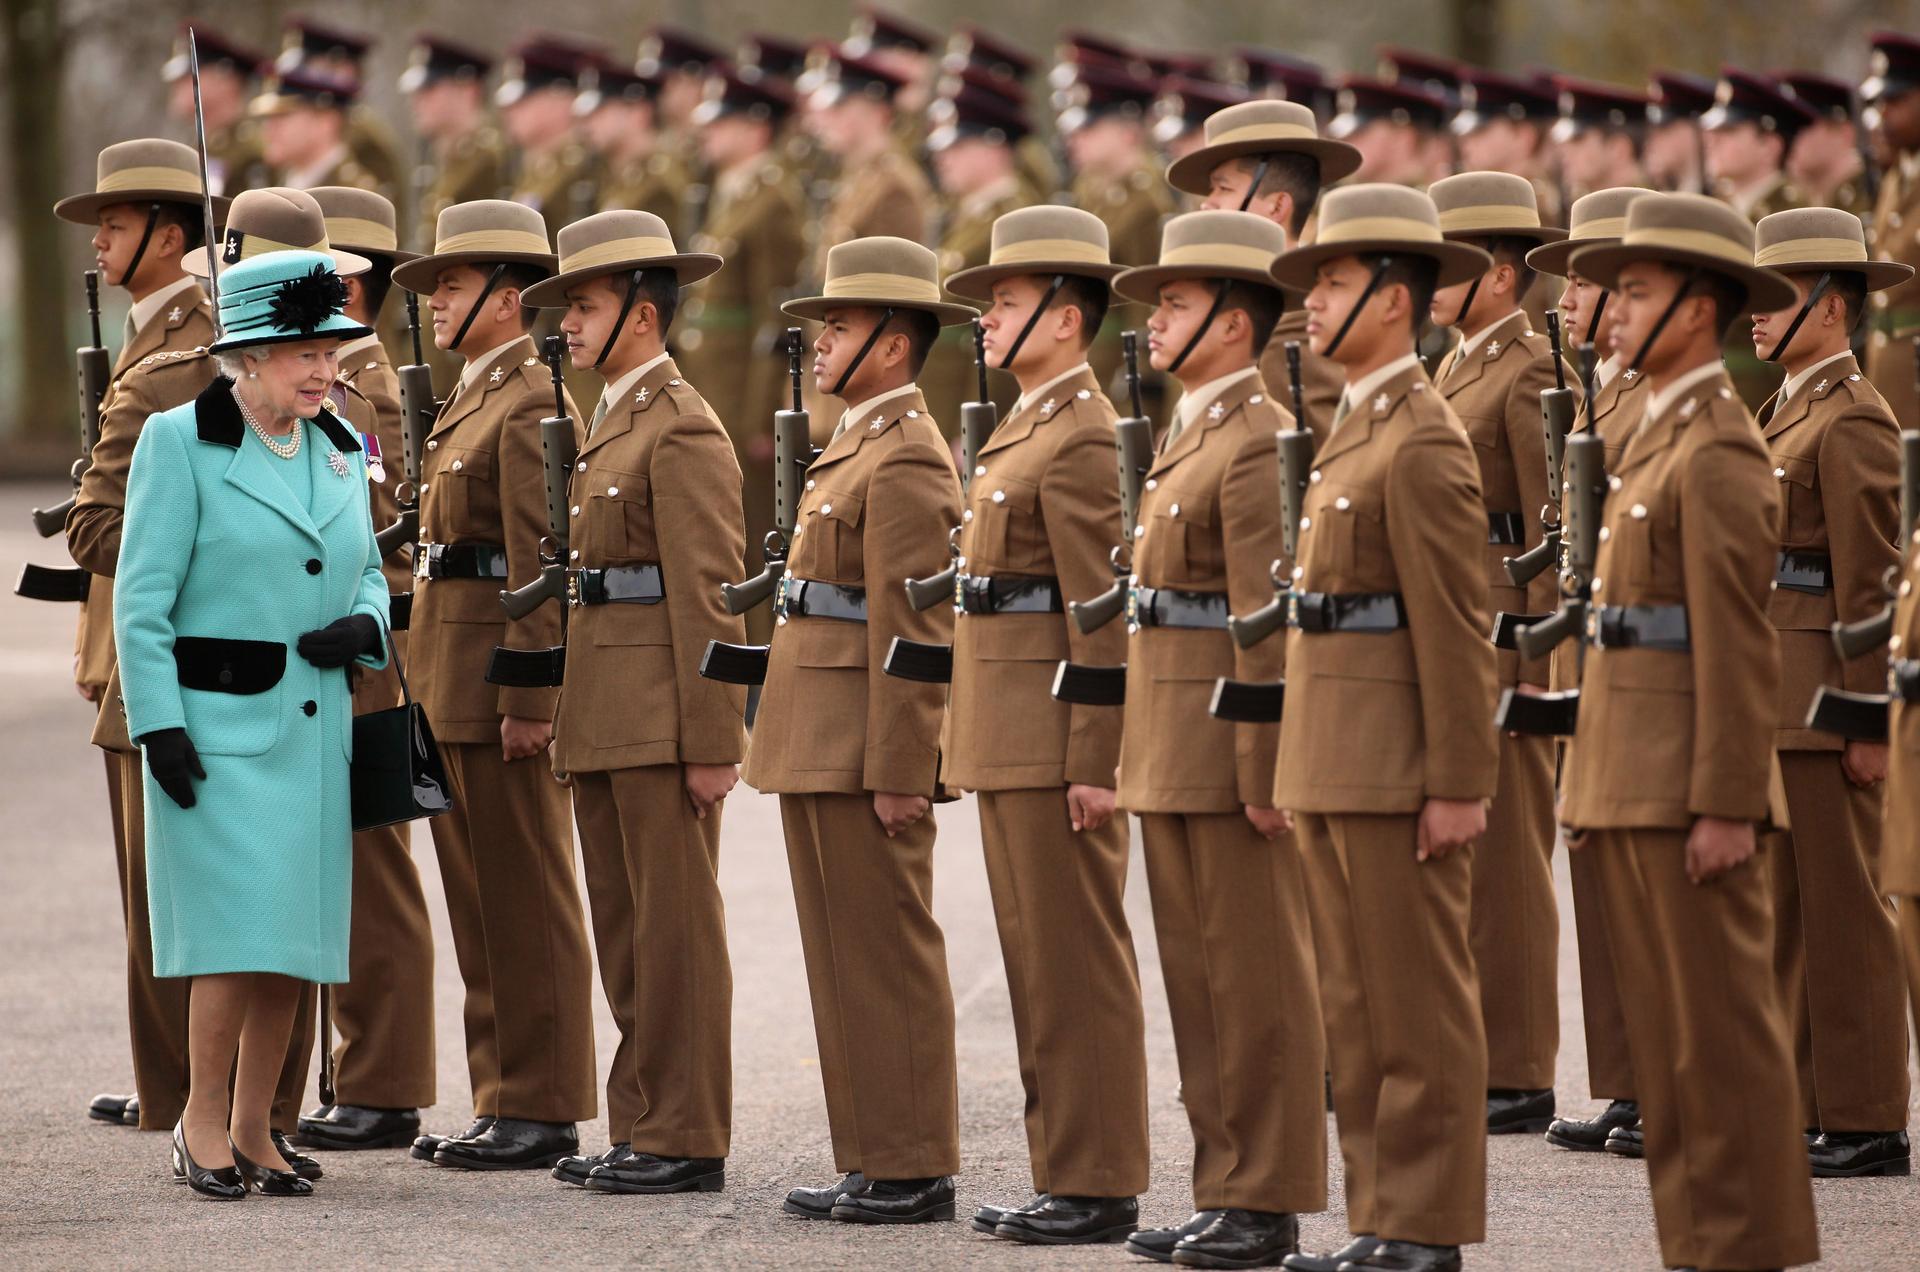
(1836, 451)
(482, 482)
(876, 510)
(369, 372)
(1321, 379)
(1042, 504)
(1210, 522)
(1494, 389)
(1382, 722)
(1895, 311)
(1900, 833)
(1665, 737)
(888, 195)
(656, 483)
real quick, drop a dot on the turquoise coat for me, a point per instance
(220, 573)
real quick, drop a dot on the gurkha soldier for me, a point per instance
(505, 850)
(1267, 157)
(1387, 750)
(331, 54)
(1042, 511)
(854, 753)
(1828, 158)
(617, 112)
(1229, 905)
(303, 121)
(649, 746)
(1673, 764)
(464, 157)
(1893, 94)
(558, 175)
(227, 73)
(1835, 451)
(384, 1061)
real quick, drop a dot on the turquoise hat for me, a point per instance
(277, 297)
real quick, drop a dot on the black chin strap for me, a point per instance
(886, 316)
(1053, 290)
(1220, 288)
(1366, 294)
(493, 280)
(626, 308)
(1460, 319)
(1820, 287)
(1593, 323)
(1253, 186)
(1666, 316)
(146, 237)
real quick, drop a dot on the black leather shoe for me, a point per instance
(1590, 1136)
(223, 1183)
(346, 1127)
(1519, 1112)
(647, 1173)
(1406, 1256)
(1157, 1243)
(1848, 1154)
(1072, 1221)
(1240, 1239)
(1627, 1141)
(575, 1169)
(121, 1110)
(927, 1200)
(987, 1218)
(818, 1203)
(427, 1145)
(511, 1143)
(297, 1162)
(266, 1180)
(1358, 1248)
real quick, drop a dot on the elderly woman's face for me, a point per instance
(293, 379)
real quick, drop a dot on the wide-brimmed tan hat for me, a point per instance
(1477, 205)
(1597, 218)
(480, 232)
(361, 221)
(1048, 239)
(1688, 230)
(273, 219)
(1813, 240)
(613, 243)
(1261, 128)
(1206, 245)
(1380, 219)
(149, 170)
(878, 273)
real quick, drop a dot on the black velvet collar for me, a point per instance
(217, 417)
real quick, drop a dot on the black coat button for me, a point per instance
(309, 706)
(313, 565)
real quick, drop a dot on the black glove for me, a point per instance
(174, 762)
(341, 641)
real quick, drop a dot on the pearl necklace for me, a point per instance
(283, 449)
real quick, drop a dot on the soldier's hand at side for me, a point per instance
(1089, 807)
(1864, 763)
(1716, 845)
(897, 812)
(1447, 824)
(521, 738)
(1270, 822)
(90, 693)
(708, 784)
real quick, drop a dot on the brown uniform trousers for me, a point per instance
(1377, 724)
(1494, 389)
(1664, 738)
(1229, 905)
(1042, 504)
(1895, 312)
(656, 484)
(1836, 941)
(832, 730)
(1900, 854)
(506, 852)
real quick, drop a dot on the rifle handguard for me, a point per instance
(1537, 640)
(404, 530)
(48, 522)
(1532, 563)
(1857, 717)
(1851, 640)
(550, 586)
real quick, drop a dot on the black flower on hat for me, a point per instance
(302, 304)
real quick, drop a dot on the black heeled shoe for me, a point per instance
(267, 1181)
(221, 1184)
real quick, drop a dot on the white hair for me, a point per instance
(233, 362)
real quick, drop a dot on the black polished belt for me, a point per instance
(1006, 594)
(1639, 627)
(1346, 612)
(812, 598)
(1164, 607)
(1810, 572)
(1508, 528)
(616, 585)
(460, 561)
(1903, 679)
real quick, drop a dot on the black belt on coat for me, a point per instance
(1346, 611)
(1903, 679)
(1810, 572)
(1508, 528)
(460, 561)
(1006, 594)
(616, 585)
(812, 598)
(1639, 627)
(1164, 607)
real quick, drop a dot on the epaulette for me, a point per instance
(1052, 407)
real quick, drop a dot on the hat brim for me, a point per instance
(1143, 283)
(1880, 275)
(345, 264)
(978, 282)
(1551, 258)
(1192, 173)
(84, 209)
(688, 268)
(339, 326)
(1459, 262)
(1766, 290)
(816, 308)
(422, 273)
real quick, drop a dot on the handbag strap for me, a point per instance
(393, 656)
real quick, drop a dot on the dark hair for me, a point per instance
(519, 277)
(1293, 174)
(1262, 306)
(376, 283)
(921, 329)
(1510, 250)
(657, 287)
(1851, 288)
(1420, 275)
(191, 219)
(1091, 297)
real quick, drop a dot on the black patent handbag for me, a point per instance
(397, 774)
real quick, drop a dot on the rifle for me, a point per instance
(418, 408)
(977, 422)
(1583, 500)
(543, 668)
(96, 372)
(1556, 417)
(1133, 447)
